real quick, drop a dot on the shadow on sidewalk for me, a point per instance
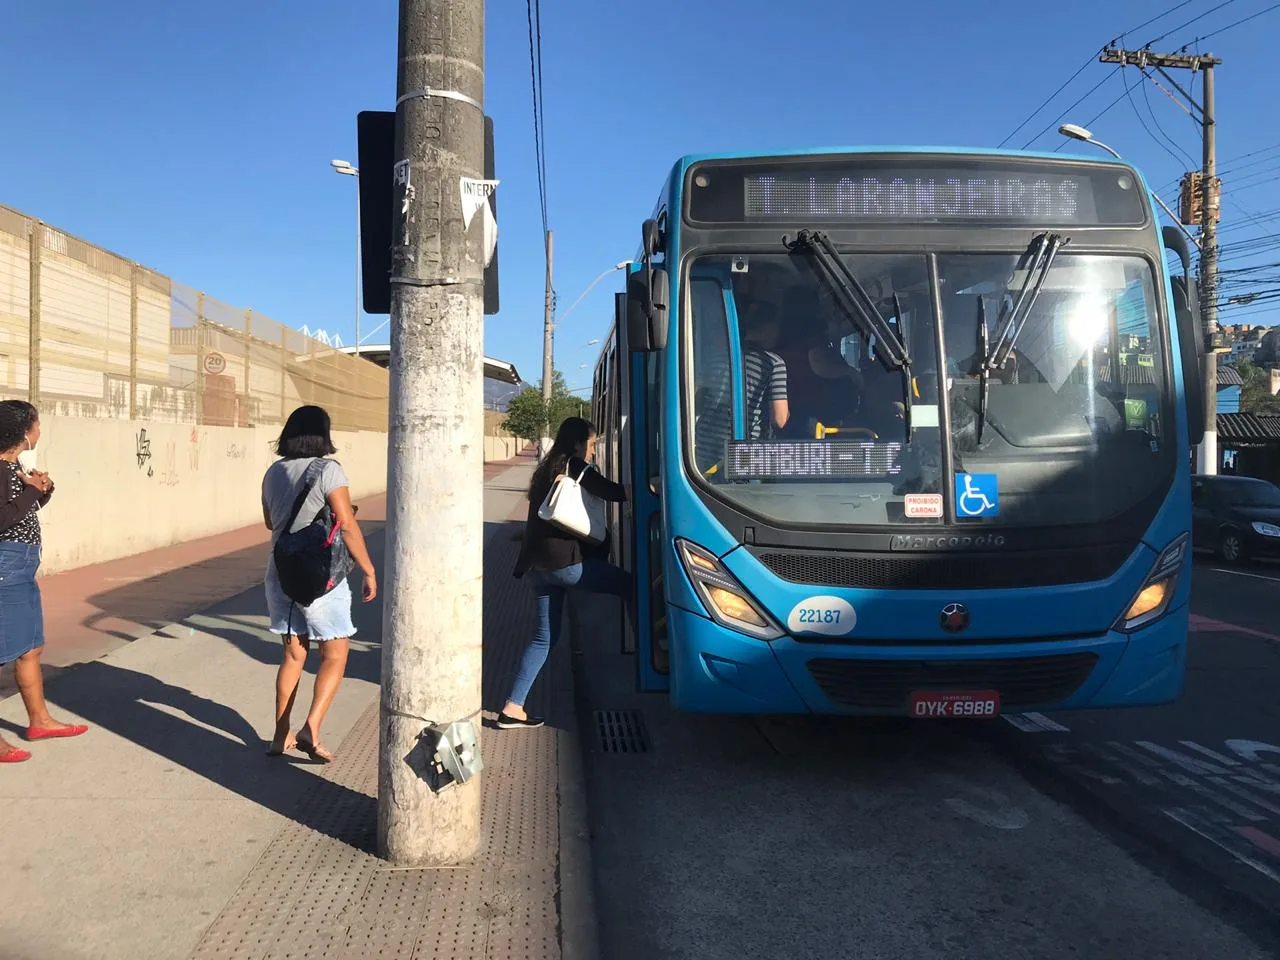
(242, 621)
(174, 723)
(216, 742)
(166, 597)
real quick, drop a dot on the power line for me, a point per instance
(1108, 108)
(1048, 100)
(1081, 69)
(535, 78)
(1069, 109)
(1225, 3)
(1232, 26)
(1151, 110)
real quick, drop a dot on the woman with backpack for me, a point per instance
(23, 492)
(557, 561)
(301, 491)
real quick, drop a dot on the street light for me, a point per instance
(1076, 132)
(347, 170)
(620, 265)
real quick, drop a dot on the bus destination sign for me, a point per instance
(911, 190)
(1055, 199)
(811, 460)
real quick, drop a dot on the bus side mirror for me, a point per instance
(1191, 351)
(646, 310)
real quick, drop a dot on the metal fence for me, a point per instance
(86, 333)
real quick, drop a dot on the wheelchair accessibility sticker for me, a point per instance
(977, 495)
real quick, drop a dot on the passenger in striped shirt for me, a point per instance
(764, 374)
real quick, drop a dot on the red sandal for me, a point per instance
(70, 730)
(14, 755)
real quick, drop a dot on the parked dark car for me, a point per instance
(1236, 517)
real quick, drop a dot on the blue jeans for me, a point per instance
(549, 586)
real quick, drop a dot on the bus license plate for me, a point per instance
(975, 704)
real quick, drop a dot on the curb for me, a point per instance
(579, 930)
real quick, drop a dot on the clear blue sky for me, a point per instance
(196, 138)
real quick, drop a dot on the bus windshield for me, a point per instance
(1057, 401)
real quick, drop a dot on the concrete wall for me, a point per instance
(124, 487)
(502, 448)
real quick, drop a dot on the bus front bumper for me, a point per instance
(716, 670)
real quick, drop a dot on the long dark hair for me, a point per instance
(306, 434)
(573, 433)
(16, 420)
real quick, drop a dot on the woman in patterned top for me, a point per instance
(23, 493)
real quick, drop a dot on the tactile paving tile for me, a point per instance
(319, 892)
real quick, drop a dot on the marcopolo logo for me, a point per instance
(990, 541)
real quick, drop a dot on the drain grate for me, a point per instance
(621, 731)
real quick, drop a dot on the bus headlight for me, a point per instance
(1157, 590)
(726, 600)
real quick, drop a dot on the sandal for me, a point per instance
(313, 750)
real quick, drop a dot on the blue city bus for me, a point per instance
(976, 498)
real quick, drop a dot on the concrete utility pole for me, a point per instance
(548, 349)
(435, 507)
(1208, 220)
(1209, 277)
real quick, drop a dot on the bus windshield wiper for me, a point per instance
(1041, 252)
(857, 303)
(906, 366)
(984, 369)
(852, 295)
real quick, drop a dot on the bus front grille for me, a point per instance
(888, 684)
(958, 571)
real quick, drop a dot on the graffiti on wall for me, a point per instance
(143, 452)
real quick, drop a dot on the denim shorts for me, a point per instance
(325, 618)
(21, 612)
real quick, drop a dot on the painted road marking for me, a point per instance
(1264, 840)
(1191, 823)
(1242, 573)
(987, 806)
(1227, 794)
(1035, 723)
(1212, 755)
(1199, 624)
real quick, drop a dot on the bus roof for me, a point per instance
(1091, 158)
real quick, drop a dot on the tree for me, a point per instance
(527, 414)
(1255, 392)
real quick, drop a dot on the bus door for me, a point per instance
(641, 530)
(613, 420)
(717, 407)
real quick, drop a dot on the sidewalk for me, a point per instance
(167, 833)
(93, 610)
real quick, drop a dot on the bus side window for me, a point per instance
(712, 375)
(653, 393)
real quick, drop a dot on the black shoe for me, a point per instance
(508, 722)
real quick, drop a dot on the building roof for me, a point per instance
(1248, 428)
(380, 353)
(1229, 376)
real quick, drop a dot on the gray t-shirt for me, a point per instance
(282, 483)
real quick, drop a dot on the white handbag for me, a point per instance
(573, 510)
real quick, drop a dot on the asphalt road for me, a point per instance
(1152, 833)
(1196, 782)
